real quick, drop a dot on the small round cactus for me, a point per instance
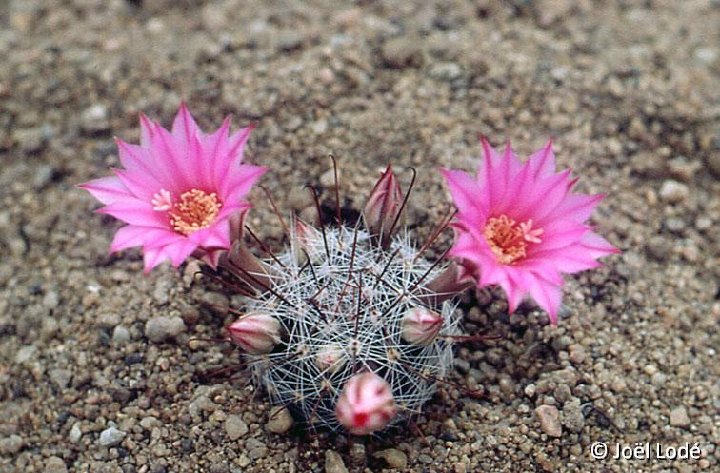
(349, 326)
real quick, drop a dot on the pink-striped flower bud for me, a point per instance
(420, 326)
(256, 333)
(330, 358)
(366, 404)
(382, 208)
(303, 245)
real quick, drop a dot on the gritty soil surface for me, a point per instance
(104, 369)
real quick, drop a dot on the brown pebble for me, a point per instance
(549, 418)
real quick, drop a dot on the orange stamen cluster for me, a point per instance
(509, 240)
(196, 209)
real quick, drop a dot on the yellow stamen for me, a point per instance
(509, 240)
(195, 210)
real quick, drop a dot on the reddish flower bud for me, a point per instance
(303, 244)
(382, 208)
(256, 333)
(366, 404)
(420, 326)
(452, 281)
(330, 358)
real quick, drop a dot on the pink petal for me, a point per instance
(179, 250)
(173, 160)
(515, 291)
(542, 162)
(152, 257)
(558, 234)
(465, 191)
(570, 259)
(217, 235)
(136, 212)
(214, 146)
(184, 127)
(485, 177)
(141, 185)
(241, 181)
(233, 153)
(547, 296)
(549, 193)
(597, 246)
(147, 130)
(577, 207)
(107, 189)
(127, 237)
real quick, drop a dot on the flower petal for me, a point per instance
(107, 189)
(464, 191)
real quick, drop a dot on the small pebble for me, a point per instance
(572, 416)
(713, 162)
(75, 433)
(280, 421)
(334, 463)
(120, 335)
(393, 457)
(235, 427)
(12, 444)
(55, 465)
(61, 377)
(673, 192)
(679, 417)
(24, 354)
(402, 52)
(111, 437)
(95, 119)
(549, 418)
(161, 328)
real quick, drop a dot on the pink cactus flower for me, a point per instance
(366, 404)
(178, 190)
(520, 226)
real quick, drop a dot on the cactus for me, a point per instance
(364, 328)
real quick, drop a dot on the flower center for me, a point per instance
(509, 240)
(194, 210)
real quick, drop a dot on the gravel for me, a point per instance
(235, 427)
(549, 418)
(160, 329)
(393, 457)
(334, 463)
(627, 91)
(280, 421)
(111, 437)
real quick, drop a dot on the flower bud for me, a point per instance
(256, 333)
(450, 282)
(382, 207)
(366, 404)
(330, 358)
(303, 240)
(420, 326)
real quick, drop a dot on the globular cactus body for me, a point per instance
(350, 325)
(343, 310)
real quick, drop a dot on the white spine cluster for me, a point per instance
(340, 300)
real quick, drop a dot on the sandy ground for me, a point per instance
(628, 90)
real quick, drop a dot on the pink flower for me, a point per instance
(520, 226)
(178, 190)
